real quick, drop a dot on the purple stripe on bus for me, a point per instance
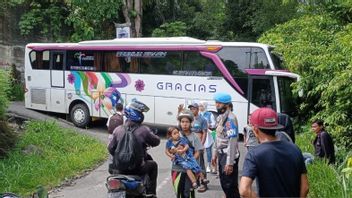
(261, 71)
(223, 69)
(127, 48)
(125, 79)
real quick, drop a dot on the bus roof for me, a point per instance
(146, 41)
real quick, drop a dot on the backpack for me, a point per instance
(115, 121)
(129, 153)
(285, 120)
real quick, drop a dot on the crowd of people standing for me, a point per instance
(272, 158)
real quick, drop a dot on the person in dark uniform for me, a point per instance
(226, 146)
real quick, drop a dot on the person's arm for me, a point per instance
(197, 146)
(185, 148)
(112, 145)
(244, 136)
(204, 130)
(327, 146)
(214, 154)
(152, 139)
(196, 154)
(170, 155)
(212, 121)
(180, 108)
(246, 188)
(304, 189)
(108, 122)
(232, 133)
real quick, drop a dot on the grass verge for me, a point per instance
(324, 180)
(59, 154)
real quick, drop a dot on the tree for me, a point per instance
(44, 18)
(320, 53)
(133, 13)
(176, 28)
(93, 20)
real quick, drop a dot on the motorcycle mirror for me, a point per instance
(155, 131)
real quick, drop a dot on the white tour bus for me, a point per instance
(87, 79)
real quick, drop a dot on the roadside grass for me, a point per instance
(324, 180)
(59, 154)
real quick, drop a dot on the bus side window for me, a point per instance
(58, 61)
(111, 62)
(197, 65)
(161, 65)
(83, 60)
(244, 58)
(40, 60)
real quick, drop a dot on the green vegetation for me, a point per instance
(46, 155)
(177, 28)
(16, 93)
(4, 88)
(326, 180)
(7, 136)
(320, 52)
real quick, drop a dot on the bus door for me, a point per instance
(57, 80)
(261, 92)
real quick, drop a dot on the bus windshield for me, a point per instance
(277, 60)
(287, 102)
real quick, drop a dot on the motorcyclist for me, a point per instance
(134, 114)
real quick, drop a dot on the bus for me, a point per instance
(86, 80)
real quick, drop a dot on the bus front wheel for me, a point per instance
(79, 115)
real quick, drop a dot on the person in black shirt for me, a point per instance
(278, 165)
(323, 144)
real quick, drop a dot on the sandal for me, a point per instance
(202, 188)
(205, 181)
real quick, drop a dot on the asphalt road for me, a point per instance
(92, 185)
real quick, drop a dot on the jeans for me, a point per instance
(151, 168)
(201, 162)
(208, 150)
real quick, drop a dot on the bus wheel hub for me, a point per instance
(79, 115)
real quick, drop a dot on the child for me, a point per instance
(178, 150)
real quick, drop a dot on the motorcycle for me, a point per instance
(8, 195)
(127, 186)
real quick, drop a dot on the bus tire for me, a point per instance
(79, 115)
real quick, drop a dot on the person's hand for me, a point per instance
(180, 107)
(180, 151)
(228, 169)
(172, 157)
(213, 161)
(173, 150)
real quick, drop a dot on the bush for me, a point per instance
(4, 91)
(324, 180)
(17, 88)
(7, 139)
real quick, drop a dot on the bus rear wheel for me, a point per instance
(79, 115)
